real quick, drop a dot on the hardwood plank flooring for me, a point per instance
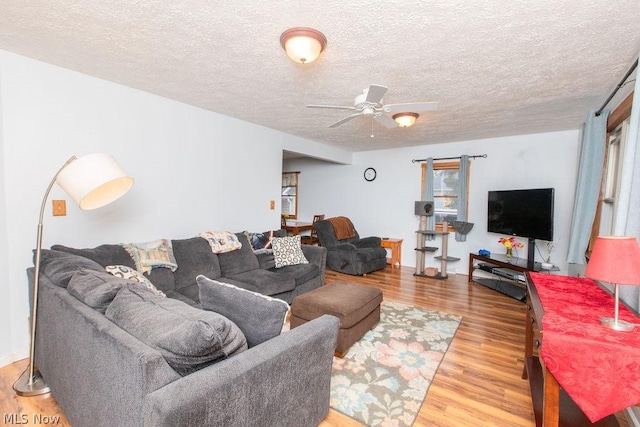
(478, 383)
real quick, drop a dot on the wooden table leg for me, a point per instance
(551, 401)
(528, 342)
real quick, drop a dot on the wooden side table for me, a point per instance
(395, 245)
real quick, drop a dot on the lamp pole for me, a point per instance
(31, 383)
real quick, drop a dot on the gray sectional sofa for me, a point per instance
(102, 375)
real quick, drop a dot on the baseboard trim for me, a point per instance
(10, 358)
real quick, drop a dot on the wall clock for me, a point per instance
(369, 174)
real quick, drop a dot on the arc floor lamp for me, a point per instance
(92, 181)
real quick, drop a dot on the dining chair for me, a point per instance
(283, 224)
(312, 238)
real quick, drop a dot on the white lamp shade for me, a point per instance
(94, 180)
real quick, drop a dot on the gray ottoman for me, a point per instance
(357, 307)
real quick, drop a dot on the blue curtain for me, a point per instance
(588, 185)
(427, 195)
(463, 180)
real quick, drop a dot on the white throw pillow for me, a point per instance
(288, 251)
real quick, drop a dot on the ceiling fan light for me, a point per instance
(405, 120)
(302, 44)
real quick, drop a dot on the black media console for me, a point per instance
(508, 274)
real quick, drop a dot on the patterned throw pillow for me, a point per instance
(133, 275)
(150, 255)
(288, 251)
(221, 241)
(260, 242)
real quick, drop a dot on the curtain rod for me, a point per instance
(484, 156)
(624, 79)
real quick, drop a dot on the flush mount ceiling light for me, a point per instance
(302, 44)
(405, 120)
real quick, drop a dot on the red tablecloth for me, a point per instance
(597, 366)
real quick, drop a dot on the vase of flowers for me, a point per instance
(509, 243)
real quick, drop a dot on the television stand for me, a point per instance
(508, 274)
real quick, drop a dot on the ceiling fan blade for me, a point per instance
(346, 119)
(386, 121)
(413, 107)
(375, 94)
(335, 107)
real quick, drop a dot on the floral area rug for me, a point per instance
(385, 376)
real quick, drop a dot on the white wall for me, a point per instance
(194, 170)
(5, 295)
(384, 207)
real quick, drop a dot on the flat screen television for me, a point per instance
(523, 213)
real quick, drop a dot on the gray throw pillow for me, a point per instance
(103, 254)
(95, 288)
(59, 266)
(258, 316)
(188, 338)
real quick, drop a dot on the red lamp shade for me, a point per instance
(615, 259)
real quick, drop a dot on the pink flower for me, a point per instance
(412, 359)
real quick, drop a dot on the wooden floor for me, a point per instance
(478, 383)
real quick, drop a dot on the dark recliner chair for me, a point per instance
(351, 255)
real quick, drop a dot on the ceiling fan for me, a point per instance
(369, 103)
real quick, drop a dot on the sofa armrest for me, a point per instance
(284, 381)
(315, 254)
(368, 242)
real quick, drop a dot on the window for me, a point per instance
(289, 194)
(612, 168)
(445, 191)
(610, 191)
(617, 129)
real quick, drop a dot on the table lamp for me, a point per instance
(92, 181)
(615, 260)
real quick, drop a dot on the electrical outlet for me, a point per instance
(273, 204)
(59, 207)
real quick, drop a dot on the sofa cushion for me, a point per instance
(59, 266)
(150, 255)
(180, 297)
(95, 288)
(266, 261)
(188, 338)
(103, 254)
(133, 275)
(238, 261)
(300, 273)
(264, 281)
(258, 316)
(162, 278)
(194, 257)
(287, 251)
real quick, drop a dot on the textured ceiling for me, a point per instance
(495, 67)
